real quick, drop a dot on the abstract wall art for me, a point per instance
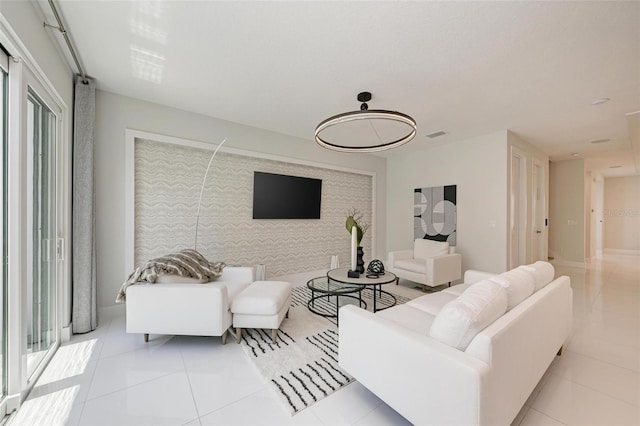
(434, 213)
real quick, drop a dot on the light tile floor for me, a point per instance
(108, 377)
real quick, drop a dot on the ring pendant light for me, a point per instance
(345, 143)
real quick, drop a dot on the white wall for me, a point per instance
(26, 21)
(567, 212)
(115, 113)
(622, 214)
(478, 167)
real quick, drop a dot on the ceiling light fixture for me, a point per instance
(600, 140)
(615, 167)
(575, 154)
(600, 101)
(367, 130)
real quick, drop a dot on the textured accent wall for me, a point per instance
(168, 178)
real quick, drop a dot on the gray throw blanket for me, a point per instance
(185, 263)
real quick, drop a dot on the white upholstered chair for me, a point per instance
(430, 263)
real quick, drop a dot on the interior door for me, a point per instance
(599, 215)
(538, 197)
(517, 209)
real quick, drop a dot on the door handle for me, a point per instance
(538, 232)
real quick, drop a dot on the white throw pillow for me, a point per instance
(543, 273)
(518, 283)
(460, 320)
(424, 249)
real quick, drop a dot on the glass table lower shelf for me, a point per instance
(323, 288)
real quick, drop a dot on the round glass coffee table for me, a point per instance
(327, 288)
(339, 275)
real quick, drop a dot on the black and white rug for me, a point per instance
(301, 367)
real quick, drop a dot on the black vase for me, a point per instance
(360, 260)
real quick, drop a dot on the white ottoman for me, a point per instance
(264, 304)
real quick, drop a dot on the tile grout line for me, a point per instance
(93, 373)
(604, 362)
(130, 386)
(544, 414)
(193, 397)
(591, 389)
(233, 402)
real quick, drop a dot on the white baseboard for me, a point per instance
(13, 402)
(622, 251)
(300, 278)
(569, 263)
(65, 334)
(108, 312)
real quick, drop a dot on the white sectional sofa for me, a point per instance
(468, 355)
(181, 306)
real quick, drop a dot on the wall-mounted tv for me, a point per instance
(286, 197)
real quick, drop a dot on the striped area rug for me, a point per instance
(301, 367)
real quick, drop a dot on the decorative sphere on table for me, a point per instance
(376, 267)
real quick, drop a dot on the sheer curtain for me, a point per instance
(84, 304)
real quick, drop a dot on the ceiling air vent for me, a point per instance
(436, 134)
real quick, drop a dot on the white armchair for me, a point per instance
(430, 263)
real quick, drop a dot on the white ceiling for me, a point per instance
(467, 68)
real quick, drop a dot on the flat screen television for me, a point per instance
(286, 197)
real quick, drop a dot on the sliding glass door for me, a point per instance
(41, 282)
(34, 148)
